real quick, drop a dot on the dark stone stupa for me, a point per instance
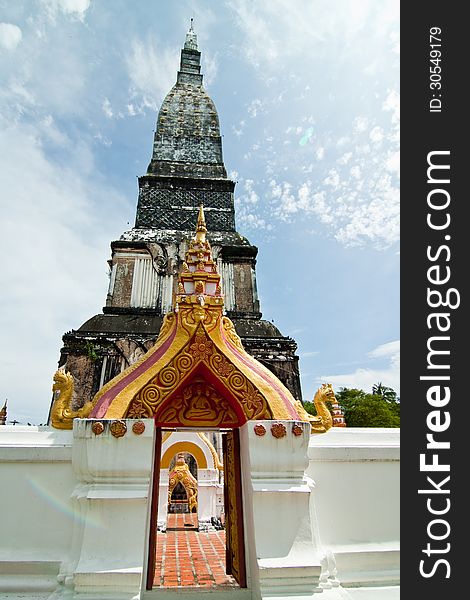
(185, 171)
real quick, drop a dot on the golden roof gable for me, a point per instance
(197, 374)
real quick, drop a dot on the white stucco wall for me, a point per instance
(37, 481)
(357, 502)
(354, 508)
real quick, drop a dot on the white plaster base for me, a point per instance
(110, 538)
(359, 536)
(287, 559)
(81, 533)
(28, 576)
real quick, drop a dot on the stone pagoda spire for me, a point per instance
(187, 167)
(191, 38)
(186, 170)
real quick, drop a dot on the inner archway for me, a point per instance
(182, 485)
(192, 546)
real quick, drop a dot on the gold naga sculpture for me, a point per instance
(324, 420)
(62, 414)
(198, 372)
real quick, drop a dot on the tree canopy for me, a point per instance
(381, 408)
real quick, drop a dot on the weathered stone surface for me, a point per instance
(186, 170)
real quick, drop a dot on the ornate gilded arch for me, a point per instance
(181, 447)
(197, 373)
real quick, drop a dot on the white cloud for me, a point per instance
(356, 192)
(390, 349)
(332, 179)
(246, 219)
(210, 66)
(73, 8)
(112, 114)
(250, 194)
(342, 141)
(309, 354)
(355, 172)
(259, 46)
(392, 103)
(286, 201)
(238, 131)
(53, 220)
(360, 124)
(376, 134)
(395, 41)
(364, 378)
(276, 30)
(42, 80)
(255, 107)
(49, 130)
(345, 158)
(132, 111)
(393, 163)
(10, 36)
(151, 71)
(108, 111)
(377, 221)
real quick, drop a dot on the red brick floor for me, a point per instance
(182, 521)
(191, 558)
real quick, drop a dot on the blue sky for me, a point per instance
(308, 99)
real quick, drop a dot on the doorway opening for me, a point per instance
(196, 525)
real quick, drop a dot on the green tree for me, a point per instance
(379, 409)
(387, 393)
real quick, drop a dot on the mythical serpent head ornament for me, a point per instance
(62, 414)
(323, 420)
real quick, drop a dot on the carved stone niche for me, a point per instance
(160, 258)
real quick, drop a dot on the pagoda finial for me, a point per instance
(201, 228)
(198, 281)
(191, 38)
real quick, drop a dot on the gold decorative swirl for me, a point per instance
(168, 377)
(137, 410)
(150, 394)
(184, 362)
(253, 402)
(237, 381)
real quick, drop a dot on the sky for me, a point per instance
(307, 93)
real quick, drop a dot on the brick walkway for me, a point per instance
(191, 558)
(182, 521)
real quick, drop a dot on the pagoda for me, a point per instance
(186, 170)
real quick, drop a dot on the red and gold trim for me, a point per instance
(198, 373)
